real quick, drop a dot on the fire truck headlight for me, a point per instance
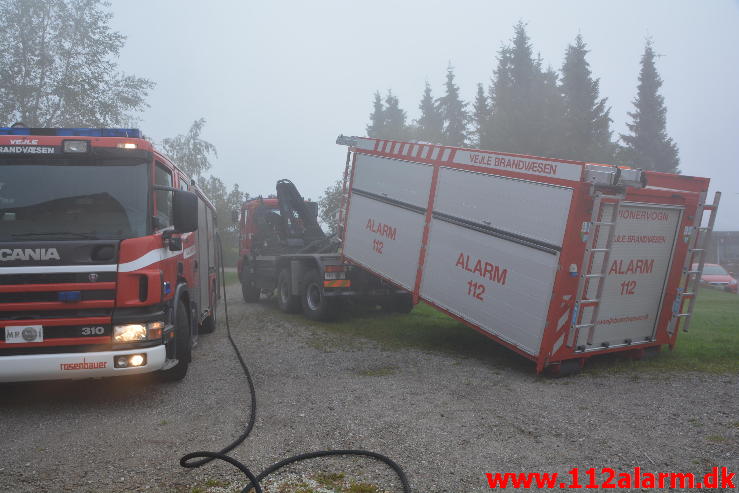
(129, 333)
(136, 360)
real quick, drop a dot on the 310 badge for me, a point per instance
(93, 331)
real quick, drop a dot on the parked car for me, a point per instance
(716, 276)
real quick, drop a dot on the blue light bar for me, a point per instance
(132, 133)
(14, 131)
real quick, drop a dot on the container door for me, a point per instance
(387, 216)
(493, 252)
(641, 256)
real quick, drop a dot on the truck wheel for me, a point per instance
(182, 346)
(402, 303)
(316, 306)
(287, 302)
(209, 324)
(248, 289)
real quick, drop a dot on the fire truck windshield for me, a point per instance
(61, 202)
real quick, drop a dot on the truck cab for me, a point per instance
(107, 256)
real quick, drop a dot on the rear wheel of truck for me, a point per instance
(287, 302)
(248, 288)
(183, 346)
(316, 306)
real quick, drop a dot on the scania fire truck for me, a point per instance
(108, 256)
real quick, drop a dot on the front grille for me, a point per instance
(56, 278)
(51, 314)
(53, 296)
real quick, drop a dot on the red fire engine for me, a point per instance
(107, 257)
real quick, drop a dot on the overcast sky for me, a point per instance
(277, 81)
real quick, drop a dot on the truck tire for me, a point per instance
(183, 346)
(209, 324)
(287, 302)
(316, 306)
(248, 289)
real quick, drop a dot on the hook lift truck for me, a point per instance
(282, 247)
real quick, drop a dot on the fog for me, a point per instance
(277, 81)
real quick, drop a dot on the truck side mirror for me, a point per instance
(185, 211)
(235, 216)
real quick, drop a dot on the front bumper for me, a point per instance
(722, 285)
(75, 366)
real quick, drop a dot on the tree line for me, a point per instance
(531, 109)
(58, 68)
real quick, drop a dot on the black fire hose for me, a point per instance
(197, 459)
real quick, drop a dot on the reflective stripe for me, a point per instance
(147, 259)
(55, 269)
(344, 283)
(190, 251)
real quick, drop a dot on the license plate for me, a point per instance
(20, 334)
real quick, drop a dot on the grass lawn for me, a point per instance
(232, 277)
(712, 345)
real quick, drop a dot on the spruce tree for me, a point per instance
(548, 126)
(499, 98)
(376, 126)
(480, 117)
(526, 106)
(587, 132)
(429, 126)
(453, 112)
(394, 123)
(647, 145)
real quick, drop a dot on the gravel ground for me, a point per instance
(447, 420)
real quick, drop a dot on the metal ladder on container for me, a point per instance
(688, 290)
(597, 223)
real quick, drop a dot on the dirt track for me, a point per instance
(447, 420)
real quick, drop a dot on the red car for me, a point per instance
(716, 276)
